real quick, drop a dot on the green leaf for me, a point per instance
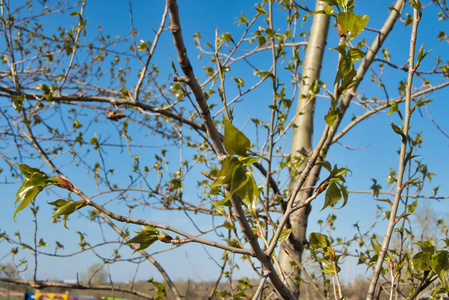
(249, 194)
(249, 160)
(318, 241)
(345, 194)
(226, 36)
(234, 141)
(351, 24)
(347, 5)
(27, 171)
(58, 203)
(397, 130)
(333, 195)
(441, 263)
(355, 54)
(67, 209)
(420, 103)
(331, 2)
(426, 246)
(315, 87)
(239, 81)
(394, 108)
(421, 53)
(341, 49)
(160, 289)
(285, 233)
(375, 244)
(25, 196)
(145, 238)
(42, 243)
(239, 180)
(331, 117)
(142, 46)
(420, 262)
(35, 181)
(228, 166)
(325, 164)
(327, 10)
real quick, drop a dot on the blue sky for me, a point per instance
(377, 141)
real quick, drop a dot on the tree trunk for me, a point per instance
(302, 141)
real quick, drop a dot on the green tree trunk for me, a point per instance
(302, 142)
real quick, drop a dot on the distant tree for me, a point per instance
(116, 136)
(95, 275)
(9, 271)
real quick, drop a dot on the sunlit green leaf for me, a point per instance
(35, 181)
(318, 241)
(27, 171)
(355, 54)
(394, 108)
(249, 194)
(285, 233)
(228, 166)
(351, 24)
(397, 130)
(441, 265)
(249, 160)
(145, 238)
(239, 180)
(67, 209)
(42, 243)
(332, 196)
(420, 262)
(234, 141)
(325, 164)
(331, 117)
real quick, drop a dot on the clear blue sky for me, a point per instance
(378, 143)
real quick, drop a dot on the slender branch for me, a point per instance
(386, 105)
(402, 162)
(190, 80)
(149, 56)
(75, 46)
(190, 238)
(72, 99)
(301, 180)
(150, 258)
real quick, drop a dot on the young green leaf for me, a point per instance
(234, 141)
(397, 130)
(285, 233)
(351, 24)
(239, 180)
(67, 209)
(318, 241)
(35, 181)
(249, 160)
(355, 54)
(249, 194)
(325, 164)
(333, 195)
(228, 167)
(146, 237)
(331, 117)
(440, 263)
(27, 171)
